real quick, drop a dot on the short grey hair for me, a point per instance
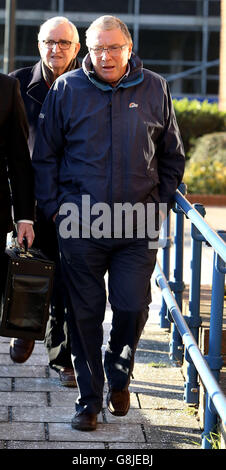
(54, 22)
(106, 23)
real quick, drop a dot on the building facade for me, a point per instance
(179, 39)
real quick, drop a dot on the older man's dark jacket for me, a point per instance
(33, 90)
(16, 175)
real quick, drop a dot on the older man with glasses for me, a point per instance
(58, 43)
(107, 137)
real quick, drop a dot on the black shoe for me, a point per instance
(118, 401)
(20, 349)
(84, 421)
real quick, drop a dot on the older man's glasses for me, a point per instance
(114, 51)
(62, 43)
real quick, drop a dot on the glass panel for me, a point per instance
(192, 85)
(83, 51)
(169, 7)
(2, 32)
(214, 8)
(212, 87)
(213, 45)
(25, 62)
(26, 40)
(170, 45)
(36, 5)
(118, 6)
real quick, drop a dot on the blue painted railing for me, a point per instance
(185, 329)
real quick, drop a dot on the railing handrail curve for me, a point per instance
(208, 232)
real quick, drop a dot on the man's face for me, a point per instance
(109, 67)
(57, 59)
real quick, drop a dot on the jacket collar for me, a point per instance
(133, 76)
(37, 87)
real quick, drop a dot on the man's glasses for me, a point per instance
(62, 43)
(112, 50)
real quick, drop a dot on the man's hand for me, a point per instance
(25, 229)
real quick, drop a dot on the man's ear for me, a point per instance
(130, 50)
(77, 49)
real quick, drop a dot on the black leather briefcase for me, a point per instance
(25, 305)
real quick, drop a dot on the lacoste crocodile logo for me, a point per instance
(133, 105)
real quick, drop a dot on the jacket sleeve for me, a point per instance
(171, 158)
(47, 153)
(18, 158)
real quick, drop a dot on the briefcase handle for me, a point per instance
(25, 243)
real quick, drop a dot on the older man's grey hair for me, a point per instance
(107, 23)
(53, 23)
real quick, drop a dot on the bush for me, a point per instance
(196, 119)
(211, 145)
(205, 172)
(206, 177)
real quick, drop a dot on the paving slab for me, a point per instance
(47, 445)
(4, 413)
(22, 398)
(116, 432)
(5, 384)
(17, 431)
(20, 370)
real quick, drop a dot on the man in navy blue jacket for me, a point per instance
(58, 43)
(108, 153)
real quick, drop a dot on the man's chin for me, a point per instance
(108, 77)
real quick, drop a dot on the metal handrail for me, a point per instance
(210, 235)
(185, 328)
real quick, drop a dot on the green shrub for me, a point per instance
(211, 145)
(196, 119)
(206, 177)
(205, 172)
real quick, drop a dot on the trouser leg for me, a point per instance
(3, 263)
(130, 296)
(124, 337)
(57, 340)
(84, 266)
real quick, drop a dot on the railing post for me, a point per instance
(163, 321)
(214, 357)
(177, 286)
(191, 391)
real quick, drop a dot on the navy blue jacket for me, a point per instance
(118, 144)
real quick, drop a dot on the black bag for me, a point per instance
(25, 305)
